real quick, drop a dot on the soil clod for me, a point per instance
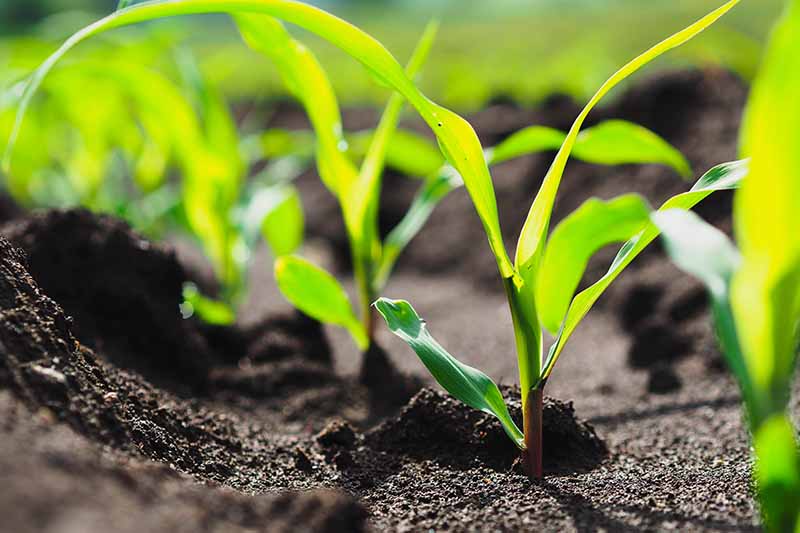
(438, 427)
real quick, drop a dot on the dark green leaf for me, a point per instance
(465, 383)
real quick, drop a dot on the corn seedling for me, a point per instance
(316, 292)
(542, 280)
(357, 192)
(755, 289)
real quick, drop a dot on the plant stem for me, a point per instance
(532, 425)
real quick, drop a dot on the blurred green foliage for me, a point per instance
(520, 49)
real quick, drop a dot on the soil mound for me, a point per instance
(436, 426)
(122, 291)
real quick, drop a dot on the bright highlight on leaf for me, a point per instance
(594, 225)
(317, 293)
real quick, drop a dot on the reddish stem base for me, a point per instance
(532, 415)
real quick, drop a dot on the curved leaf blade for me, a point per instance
(318, 294)
(307, 80)
(531, 240)
(427, 198)
(593, 225)
(617, 142)
(530, 140)
(722, 177)
(456, 138)
(465, 383)
(407, 152)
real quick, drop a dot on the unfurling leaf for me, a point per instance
(465, 383)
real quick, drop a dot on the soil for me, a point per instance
(115, 410)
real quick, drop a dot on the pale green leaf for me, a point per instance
(318, 294)
(534, 231)
(456, 137)
(766, 291)
(592, 226)
(360, 202)
(706, 253)
(530, 140)
(306, 79)
(722, 177)
(777, 473)
(465, 383)
(407, 152)
(426, 199)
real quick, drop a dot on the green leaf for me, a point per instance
(766, 291)
(360, 202)
(777, 473)
(276, 214)
(465, 383)
(706, 253)
(456, 137)
(617, 142)
(275, 143)
(210, 311)
(283, 226)
(595, 224)
(530, 140)
(407, 152)
(306, 79)
(426, 199)
(722, 177)
(318, 294)
(532, 237)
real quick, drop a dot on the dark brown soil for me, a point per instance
(125, 414)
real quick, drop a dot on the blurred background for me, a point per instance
(520, 49)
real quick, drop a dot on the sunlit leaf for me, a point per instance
(721, 177)
(456, 137)
(465, 383)
(318, 294)
(617, 142)
(407, 152)
(766, 291)
(534, 231)
(592, 226)
(426, 199)
(306, 80)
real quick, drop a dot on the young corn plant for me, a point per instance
(211, 182)
(315, 291)
(755, 289)
(459, 144)
(542, 280)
